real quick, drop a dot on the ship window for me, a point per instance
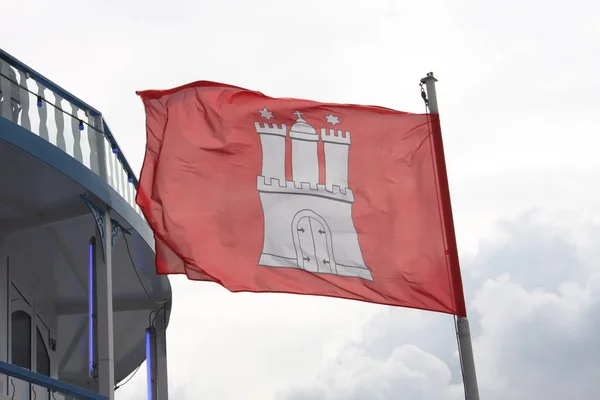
(21, 339)
(42, 356)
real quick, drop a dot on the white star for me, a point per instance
(266, 113)
(332, 119)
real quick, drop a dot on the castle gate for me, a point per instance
(312, 240)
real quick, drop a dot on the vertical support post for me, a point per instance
(160, 327)
(93, 313)
(104, 315)
(463, 333)
(151, 379)
(156, 357)
(4, 312)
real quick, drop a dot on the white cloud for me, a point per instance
(539, 344)
(534, 337)
(408, 372)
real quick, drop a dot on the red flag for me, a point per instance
(284, 195)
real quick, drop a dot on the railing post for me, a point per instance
(100, 148)
(25, 120)
(6, 89)
(43, 113)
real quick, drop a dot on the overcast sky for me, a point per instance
(518, 96)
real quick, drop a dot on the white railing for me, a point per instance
(43, 108)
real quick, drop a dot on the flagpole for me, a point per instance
(463, 332)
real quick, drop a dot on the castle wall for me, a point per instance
(273, 160)
(280, 209)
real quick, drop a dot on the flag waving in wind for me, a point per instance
(263, 194)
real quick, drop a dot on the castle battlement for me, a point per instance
(335, 136)
(274, 129)
(274, 185)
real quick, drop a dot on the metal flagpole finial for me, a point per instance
(428, 77)
(430, 98)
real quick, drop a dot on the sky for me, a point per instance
(517, 93)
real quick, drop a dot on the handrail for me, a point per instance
(48, 83)
(76, 101)
(49, 383)
(120, 155)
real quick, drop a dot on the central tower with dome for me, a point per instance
(305, 156)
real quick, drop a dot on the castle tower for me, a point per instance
(305, 159)
(272, 140)
(336, 149)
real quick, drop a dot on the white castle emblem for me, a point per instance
(308, 225)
